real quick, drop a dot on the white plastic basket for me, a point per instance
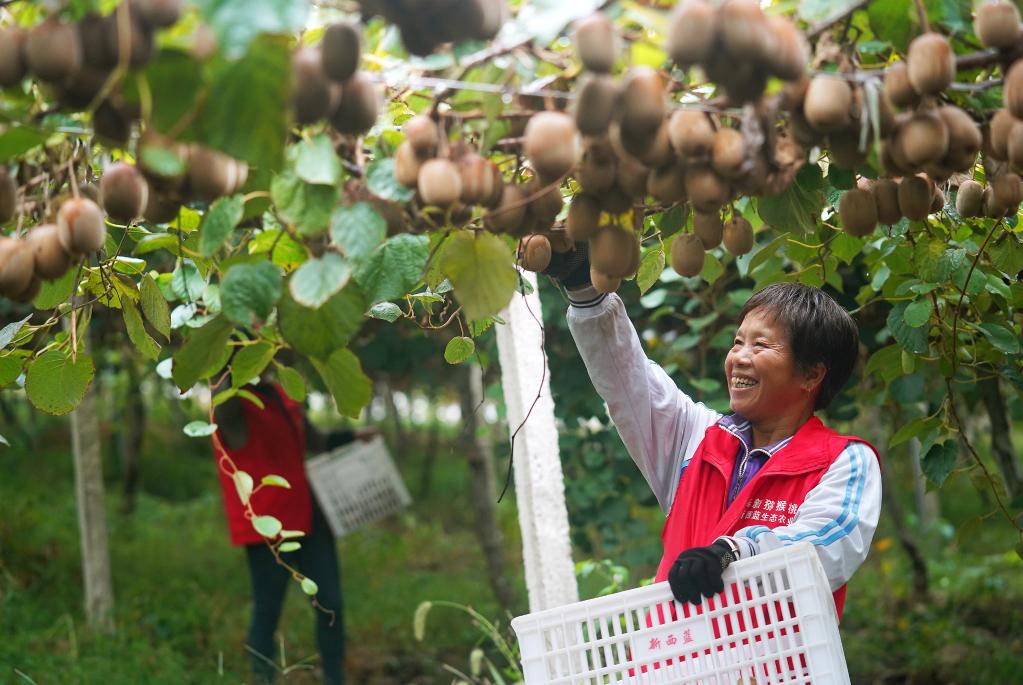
(775, 623)
(356, 485)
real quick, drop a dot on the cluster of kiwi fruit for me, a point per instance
(327, 83)
(427, 24)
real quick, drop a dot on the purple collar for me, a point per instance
(743, 430)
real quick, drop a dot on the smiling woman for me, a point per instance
(768, 475)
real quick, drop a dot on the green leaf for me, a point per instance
(222, 218)
(382, 182)
(238, 22)
(292, 382)
(55, 384)
(650, 268)
(275, 481)
(394, 268)
(305, 205)
(200, 429)
(142, 341)
(255, 90)
(317, 163)
(10, 369)
(385, 311)
(251, 397)
(893, 22)
(56, 292)
(798, 207)
(351, 388)
(913, 339)
(175, 79)
(357, 229)
(318, 279)
(712, 268)
(918, 312)
(480, 268)
(673, 220)
(287, 534)
(887, 362)
(250, 291)
(309, 587)
(846, 247)
(1007, 255)
(459, 349)
(154, 306)
(914, 429)
(201, 350)
(16, 141)
(290, 547)
(163, 160)
(249, 362)
(1000, 337)
(186, 282)
(267, 526)
(318, 332)
(8, 332)
(243, 485)
(939, 461)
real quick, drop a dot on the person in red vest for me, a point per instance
(274, 440)
(768, 475)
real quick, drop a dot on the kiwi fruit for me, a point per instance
(931, 63)
(596, 172)
(53, 50)
(687, 255)
(510, 213)
(858, 211)
(212, 174)
(729, 152)
(583, 218)
(597, 42)
(631, 179)
(1014, 145)
(997, 24)
(161, 177)
(358, 107)
(667, 184)
(790, 52)
(340, 51)
(922, 139)
(603, 283)
(422, 134)
(139, 42)
(111, 126)
(481, 180)
(743, 30)
(643, 105)
(897, 87)
(80, 226)
(738, 236)
(12, 64)
(8, 196)
(124, 192)
(551, 144)
(1012, 92)
(560, 242)
(595, 104)
(160, 209)
(51, 259)
(30, 292)
(658, 152)
(16, 266)
(613, 250)
(159, 14)
(886, 197)
(844, 149)
(545, 201)
(616, 201)
(937, 200)
(81, 88)
(691, 133)
(439, 182)
(915, 194)
(970, 199)
(709, 228)
(705, 189)
(692, 31)
(535, 252)
(1005, 190)
(964, 136)
(407, 165)
(310, 90)
(827, 103)
(998, 134)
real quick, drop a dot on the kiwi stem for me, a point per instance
(921, 12)
(123, 58)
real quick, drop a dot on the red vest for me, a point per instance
(699, 514)
(276, 445)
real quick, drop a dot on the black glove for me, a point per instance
(697, 572)
(572, 268)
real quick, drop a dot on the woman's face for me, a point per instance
(763, 380)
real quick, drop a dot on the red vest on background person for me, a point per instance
(699, 514)
(276, 445)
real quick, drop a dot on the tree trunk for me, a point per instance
(393, 415)
(484, 496)
(928, 505)
(916, 560)
(430, 448)
(92, 519)
(1001, 435)
(133, 422)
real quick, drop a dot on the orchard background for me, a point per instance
(346, 207)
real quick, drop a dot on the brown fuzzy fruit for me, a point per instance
(53, 50)
(551, 143)
(844, 149)
(659, 151)
(937, 200)
(616, 201)
(687, 255)
(604, 283)
(595, 106)
(691, 133)
(161, 210)
(667, 184)
(51, 259)
(407, 165)
(560, 242)
(439, 183)
(964, 136)
(1012, 92)
(597, 42)
(422, 134)
(708, 228)
(310, 90)
(139, 41)
(729, 152)
(613, 250)
(970, 199)
(80, 226)
(16, 266)
(998, 134)
(858, 211)
(827, 103)
(597, 171)
(897, 86)
(705, 189)
(632, 178)
(111, 126)
(642, 102)
(997, 24)
(923, 139)
(159, 14)
(915, 195)
(1006, 191)
(743, 29)
(1014, 145)
(738, 236)
(212, 174)
(12, 63)
(886, 197)
(931, 63)
(359, 105)
(692, 31)
(8, 196)
(481, 180)
(583, 218)
(124, 192)
(545, 201)
(510, 214)
(535, 252)
(341, 51)
(790, 52)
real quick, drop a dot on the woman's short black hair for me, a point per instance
(820, 332)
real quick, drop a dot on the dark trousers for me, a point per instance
(317, 559)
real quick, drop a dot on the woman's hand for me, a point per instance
(697, 572)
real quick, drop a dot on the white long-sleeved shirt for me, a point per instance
(662, 427)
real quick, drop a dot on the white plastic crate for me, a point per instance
(775, 623)
(356, 485)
